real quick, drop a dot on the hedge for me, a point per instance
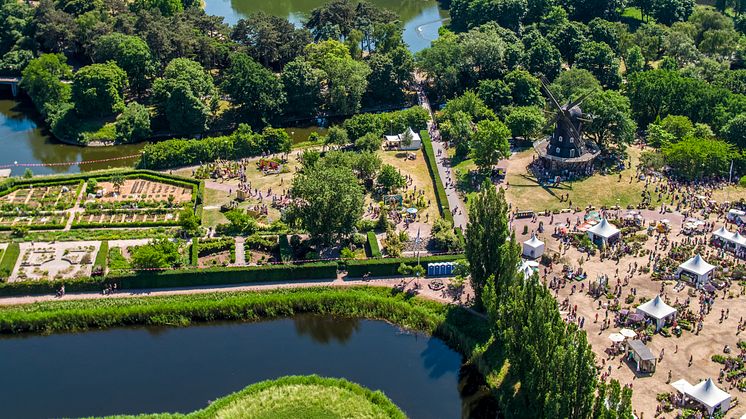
(102, 255)
(286, 252)
(389, 266)
(194, 252)
(432, 165)
(10, 257)
(375, 251)
(125, 224)
(179, 278)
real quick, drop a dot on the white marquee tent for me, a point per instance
(658, 310)
(604, 232)
(706, 393)
(696, 270)
(396, 140)
(533, 247)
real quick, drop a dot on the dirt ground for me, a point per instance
(711, 340)
(138, 188)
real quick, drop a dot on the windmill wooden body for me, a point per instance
(566, 149)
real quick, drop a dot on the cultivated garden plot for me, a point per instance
(43, 198)
(55, 261)
(142, 190)
(39, 221)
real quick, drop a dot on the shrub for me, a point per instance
(440, 191)
(286, 252)
(375, 251)
(99, 265)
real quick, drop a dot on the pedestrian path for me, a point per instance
(240, 251)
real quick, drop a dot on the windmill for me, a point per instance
(567, 139)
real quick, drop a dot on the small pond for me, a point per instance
(148, 370)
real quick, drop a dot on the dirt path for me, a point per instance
(417, 285)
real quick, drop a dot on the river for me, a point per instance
(149, 370)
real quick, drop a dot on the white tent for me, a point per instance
(658, 310)
(706, 393)
(735, 215)
(722, 233)
(696, 270)
(533, 247)
(396, 140)
(604, 232)
(528, 268)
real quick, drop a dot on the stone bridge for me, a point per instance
(12, 82)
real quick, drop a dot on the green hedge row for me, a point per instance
(432, 165)
(389, 267)
(375, 250)
(286, 252)
(179, 278)
(80, 225)
(35, 227)
(10, 257)
(194, 252)
(102, 255)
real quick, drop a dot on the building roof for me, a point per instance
(4, 173)
(604, 229)
(398, 137)
(722, 232)
(534, 242)
(697, 265)
(707, 393)
(641, 350)
(656, 308)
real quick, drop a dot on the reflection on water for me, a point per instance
(22, 141)
(326, 329)
(421, 18)
(147, 370)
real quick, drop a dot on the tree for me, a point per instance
(543, 58)
(271, 40)
(441, 63)
(240, 222)
(600, 59)
(189, 222)
(133, 124)
(130, 53)
(159, 253)
(337, 136)
(695, 158)
(573, 83)
(390, 180)
(389, 74)
(489, 143)
(524, 88)
(370, 142)
(42, 81)
(679, 126)
(495, 94)
(98, 88)
(117, 180)
(634, 62)
(186, 114)
(253, 87)
(302, 86)
(525, 121)
(346, 81)
(328, 202)
(670, 11)
(585, 10)
(491, 257)
(735, 131)
(569, 37)
(611, 118)
(183, 69)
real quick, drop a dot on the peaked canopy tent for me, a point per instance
(706, 393)
(657, 309)
(395, 141)
(604, 233)
(528, 268)
(533, 247)
(696, 270)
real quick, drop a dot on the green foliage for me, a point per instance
(489, 143)
(133, 124)
(329, 202)
(693, 158)
(253, 87)
(9, 259)
(98, 89)
(612, 118)
(389, 179)
(375, 250)
(525, 121)
(130, 53)
(440, 192)
(286, 252)
(101, 261)
(240, 223)
(445, 238)
(42, 80)
(390, 266)
(302, 87)
(378, 124)
(601, 61)
(160, 253)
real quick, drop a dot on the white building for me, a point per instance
(706, 393)
(533, 248)
(696, 271)
(658, 310)
(604, 233)
(395, 141)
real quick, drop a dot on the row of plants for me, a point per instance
(432, 166)
(207, 247)
(8, 262)
(375, 250)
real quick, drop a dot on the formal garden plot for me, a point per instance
(42, 198)
(216, 252)
(55, 261)
(142, 191)
(40, 221)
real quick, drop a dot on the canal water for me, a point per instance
(149, 370)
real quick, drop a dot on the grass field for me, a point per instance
(420, 174)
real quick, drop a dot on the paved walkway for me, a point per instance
(240, 251)
(418, 286)
(444, 169)
(76, 208)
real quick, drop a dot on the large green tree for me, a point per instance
(328, 202)
(489, 143)
(601, 61)
(253, 87)
(130, 53)
(98, 89)
(611, 118)
(525, 121)
(43, 82)
(302, 86)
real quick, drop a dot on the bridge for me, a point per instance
(12, 82)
